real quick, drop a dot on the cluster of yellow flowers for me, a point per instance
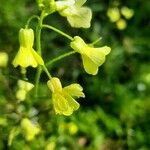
(78, 16)
(63, 100)
(114, 15)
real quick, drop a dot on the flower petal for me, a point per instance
(97, 55)
(61, 105)
(79, 3)
(24, 58)
(37, 57)
(82, 18)
(74, 105)
(54, 85)
(89, 66)
(74, 90)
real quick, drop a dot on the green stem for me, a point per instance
(59, 58)
(38, 47)
(58, 31)
(37, 79)
(96, 41)
(30, 19)
(47, 72)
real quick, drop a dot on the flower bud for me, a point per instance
(54, 85)
(26, 37)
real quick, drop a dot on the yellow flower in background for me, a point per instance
(72, 127)
(24, 88)
(27, 86)
(62, 98)
(30, 130)
(3, 59)
(121, 24)
(113, 14)
(26, 55)
(77, 15)
(127, 12)
(92, 57)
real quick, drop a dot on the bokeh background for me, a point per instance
(115, 113)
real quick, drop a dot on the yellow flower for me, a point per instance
(3, 59)
(113, 14)
(30, 130)
(77, 15)
(121, 24)
(92, 57)
(127, 12)
(24, 88)
(62, 98)
(26, 55)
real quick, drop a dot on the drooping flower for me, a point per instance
(77, 15)
(92, 57)
(30, 130)
(26, 55)
(63, 98)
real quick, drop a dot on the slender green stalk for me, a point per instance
(37, 79)
(30, 19)
(59, 58)
(57, 30)
(96, 41)
(38, 47)
(47, 72)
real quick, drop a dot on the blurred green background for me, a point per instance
(115, 113)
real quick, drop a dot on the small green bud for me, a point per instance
(26, 37)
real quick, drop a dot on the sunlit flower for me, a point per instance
(3, 59)
(26, 55)
(127, 12)
(30, 129)
(92, 57)
(77, 15)
(62, 98)
(113, 14)
(121, 24)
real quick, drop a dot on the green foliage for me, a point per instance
(115, 113)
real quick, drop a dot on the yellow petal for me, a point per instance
(54, 85)
(74, 90)
(72, 103)
(97, 55)
(25, 58)
(89, 66)
(37, 57)
(61, 105)
(82, 18)
(79, 3)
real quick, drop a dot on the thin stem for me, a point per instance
(38, 47)
(58, 31)
(96, 41)
(47, 72)
(59, 58)
(30, 19)
(37, 79)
